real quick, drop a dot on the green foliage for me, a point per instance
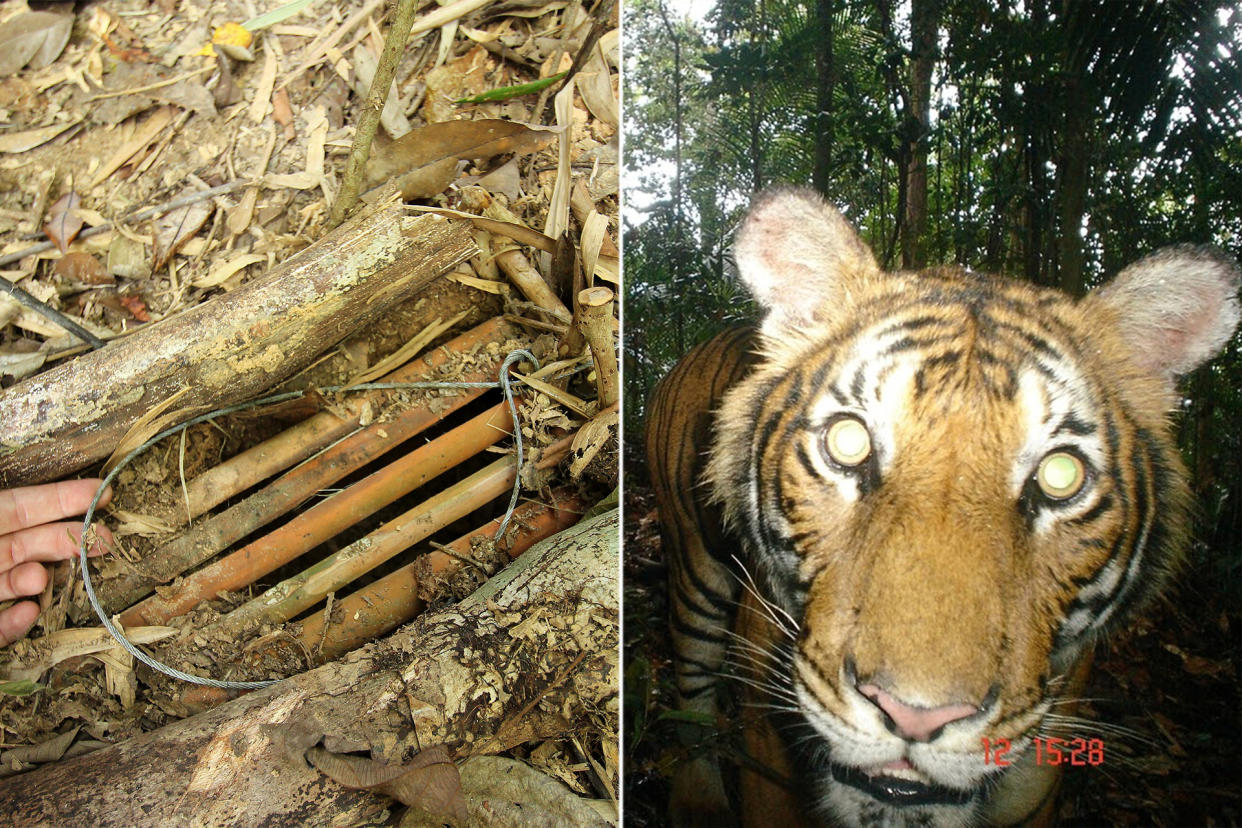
(1065, 140)
(24, 687)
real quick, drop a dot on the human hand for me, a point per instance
(27, 537)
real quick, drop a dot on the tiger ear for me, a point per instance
(1176, 308)
(799, 257)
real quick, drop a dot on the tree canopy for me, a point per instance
(1054, 141)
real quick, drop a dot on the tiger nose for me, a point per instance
(916, 724)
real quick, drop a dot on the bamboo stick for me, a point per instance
(301, 592)
(596, 326)
(228, 349)
(386, 604)
(317, 524)
(294, 444)
(392, 600)
(216, 534)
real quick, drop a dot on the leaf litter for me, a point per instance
(123, 106)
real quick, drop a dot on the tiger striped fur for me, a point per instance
(909, 503)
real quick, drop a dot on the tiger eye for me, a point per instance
(1061, 475)
(848, 442)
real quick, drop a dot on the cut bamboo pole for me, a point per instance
(596, 325)
(213, 536)
(392, 600)
(325, 519)
(294, 444)
(513, 261)
(530, 282)
(386, 604)
(301, 592)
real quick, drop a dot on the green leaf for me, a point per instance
(691, 716)
(277, 15)
(504, 93)
(25, 687)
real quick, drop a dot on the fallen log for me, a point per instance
(231, 348)
(532, 655)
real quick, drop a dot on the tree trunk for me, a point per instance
(231, 348)
(924, 16)
(531, 655)
(1072, 165)
(825, 76)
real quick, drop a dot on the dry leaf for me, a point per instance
(134, 523)
(144, 135)
(409, 350)
(32, 657)
(35, 38)
(136, 307)
(27, 139)
(590, 439)
(222, 272)
(392, 118)
(263, 92)
(517, 794)
(424, 161)
(19, 366)
(518, 232)
(595, 86)
(63, 225)
(505, 179)
(176, 228)
(49, 751)
(429, 782)
(188, 94)
(282, 112)
(83, 269)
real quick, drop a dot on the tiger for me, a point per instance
(905, 507)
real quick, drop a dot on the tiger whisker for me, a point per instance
(778, 615)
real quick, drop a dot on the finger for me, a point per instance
(16, 621)
(33, 505)
(22, 580)
(49, 542)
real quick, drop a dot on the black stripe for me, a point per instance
(914, 324)
(1093, 514)
(804, 460)
(1072, 425)
(697, 633)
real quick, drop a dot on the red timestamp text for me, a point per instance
(1048, 751)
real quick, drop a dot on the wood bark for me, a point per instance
(531, 655)
(1072, 160)
(924, 17)
(825, 80)
(231, 348)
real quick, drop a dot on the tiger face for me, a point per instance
(947, 486)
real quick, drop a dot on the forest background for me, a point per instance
(1051, 140)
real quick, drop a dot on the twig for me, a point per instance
(141, 215)
(50, 312)
(466, 559)
(151, 86)
(369, 119)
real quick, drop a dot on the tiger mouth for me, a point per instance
(892, 789)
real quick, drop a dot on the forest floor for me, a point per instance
(144, 172)
(1165, 696)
